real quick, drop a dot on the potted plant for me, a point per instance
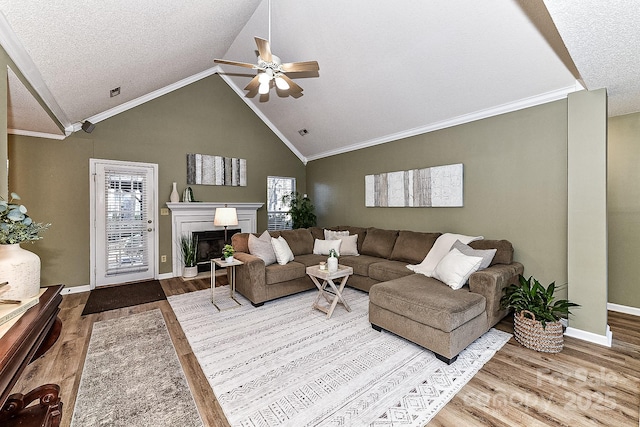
(19, 267)
(300, 210)
(189, 249)
(227, 253)
(537, 314)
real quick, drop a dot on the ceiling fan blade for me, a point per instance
(293, 87)
(295, 67)
(264, 49)
(253, 84)
(239, 64)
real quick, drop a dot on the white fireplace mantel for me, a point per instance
(198, 216)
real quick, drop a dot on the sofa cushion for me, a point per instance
(486, 254)
(282, 250)
(360, 231)
(262, 248)
(349, 245)
(360, 264)
(317, 232)
(276, 273)
(379, 243)
(504, 250)
(300, 240)
(334, 234)
(428, 301)
(323, 247)
(440, 248)
(412, 246)
(240, 242)
(388, 270)
(455, 268)
(310, 259)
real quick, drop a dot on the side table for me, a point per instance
(343, 272)
(231, 275)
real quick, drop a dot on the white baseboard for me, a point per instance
(604, 340)
(164, 276)
(635, 311)
(75, 289)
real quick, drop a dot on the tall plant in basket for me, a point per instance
(537, 314)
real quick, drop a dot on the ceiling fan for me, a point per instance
(271, 69)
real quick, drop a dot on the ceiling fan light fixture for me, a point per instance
(264, 88)
(264, 78)
(282, 83)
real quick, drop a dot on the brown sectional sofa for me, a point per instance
(418, 308)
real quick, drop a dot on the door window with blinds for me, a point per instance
(123, 214)
(277, 212)
(126, 222)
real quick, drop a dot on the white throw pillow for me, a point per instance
(349, 245)
(262, 248)
(322, 247)
(334, 235)
(440, 248)
(455, 268)
(486, 254)
(282, 250)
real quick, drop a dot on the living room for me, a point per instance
(516, 187)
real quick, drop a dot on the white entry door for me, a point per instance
(123, 216)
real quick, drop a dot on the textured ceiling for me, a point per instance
(387, 69)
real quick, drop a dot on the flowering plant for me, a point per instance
(15, 225)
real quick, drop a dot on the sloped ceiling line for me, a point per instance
(27, 67)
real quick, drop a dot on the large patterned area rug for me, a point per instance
(286, 364)
(132, 377)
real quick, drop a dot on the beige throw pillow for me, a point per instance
(262, 248)
(455, 268)
(334, 235)
(349, 245)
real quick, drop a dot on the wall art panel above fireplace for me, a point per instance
(438, 186)
(216, 170)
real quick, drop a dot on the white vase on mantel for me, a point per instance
(21, 268)
(175, 197)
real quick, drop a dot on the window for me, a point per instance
(277, 212)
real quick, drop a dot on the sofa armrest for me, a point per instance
(491, 283)
(250, 277)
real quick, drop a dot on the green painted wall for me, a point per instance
(515, 185)
(587, 209)
(624, 209)
(207, 117)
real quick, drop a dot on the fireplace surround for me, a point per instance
(187, 217)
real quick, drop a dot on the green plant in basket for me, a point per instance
(15, 225)
(228, 251)
(530, 295)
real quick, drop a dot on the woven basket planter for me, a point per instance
(529, 332)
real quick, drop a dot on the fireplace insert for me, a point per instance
(210, 244)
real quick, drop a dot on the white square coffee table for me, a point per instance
(333, 294)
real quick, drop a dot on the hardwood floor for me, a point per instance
(584, 385)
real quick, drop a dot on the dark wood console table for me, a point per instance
(29, 338)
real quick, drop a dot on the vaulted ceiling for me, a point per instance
(387, 69)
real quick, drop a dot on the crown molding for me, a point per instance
(27, 67)
(36, 134)
(466, 118)
(262, 117)
(97, 118)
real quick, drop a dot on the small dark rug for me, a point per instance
(115, 297)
